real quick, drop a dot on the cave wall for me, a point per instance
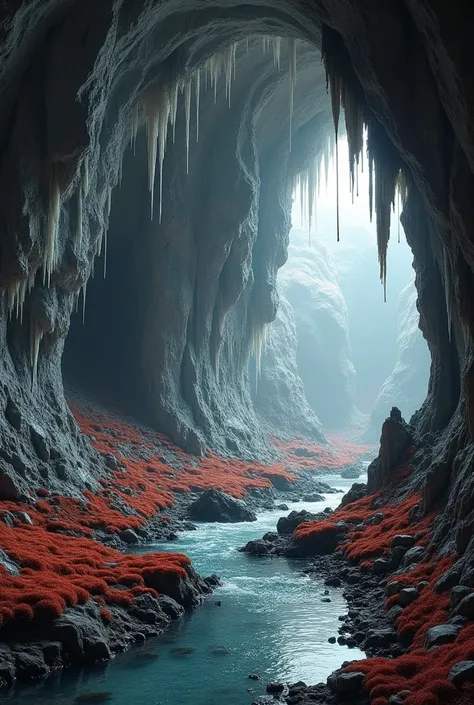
(323, 356)
(278, 391)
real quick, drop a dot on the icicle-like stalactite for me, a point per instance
(257, 344)
(276, 43)
(385, 168)
(84, 295)
(187, 112)
(198, 100)
(78, 238)
(292, 63)
(448, 289)
(174, 107)
(36, 336)
(52, 227)
(158, 109)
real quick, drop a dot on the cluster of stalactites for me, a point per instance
(308, 182)
(258, 336)
(158, 109)
(387, 181)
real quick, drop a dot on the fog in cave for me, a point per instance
(357, 351)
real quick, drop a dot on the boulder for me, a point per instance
(442, 634)
(216, 506)
(353, 472)
(403, 540)
(461, 673)
(287, 525)
(346, 684)
(466, 607)
(320, 543)
(413, 555)
(357, 491)
(129, 536)
(407, 596)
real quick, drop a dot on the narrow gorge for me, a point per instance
(226, 475)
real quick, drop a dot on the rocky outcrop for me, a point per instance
(396, 438)
(213, 505)
(407, 384)
(309, 282)
(279, 397)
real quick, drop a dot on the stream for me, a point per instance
(271, 622)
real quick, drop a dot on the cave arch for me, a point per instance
(396, 60)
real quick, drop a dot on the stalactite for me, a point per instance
(386, 171)
(187, 112)
(85, 176)
(84, 294)
(448, 289)
(276, 43)
(135, 126)
(158, 105)
(36, 336)
(78, 239)
(174, 107)
(198, 100)
(292, 63)
(257, 344)
(50, 251)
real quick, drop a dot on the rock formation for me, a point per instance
(406, 386)
(309, 282)
(279, 395)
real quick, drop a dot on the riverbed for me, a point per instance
(267, 619)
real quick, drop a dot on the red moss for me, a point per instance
(73, 570)
(106, 616)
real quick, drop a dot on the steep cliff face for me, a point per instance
(406, 386)
(323, 355)
(279, 394)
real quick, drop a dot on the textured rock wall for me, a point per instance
(309, 282)
(407, 384)
(278, 392)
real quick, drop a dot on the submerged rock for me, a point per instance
(216, 506)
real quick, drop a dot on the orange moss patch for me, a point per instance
(337, 454)
(60, 571)
(147, 486)
(424, 673)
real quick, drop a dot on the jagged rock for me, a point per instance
(10, 566)
(357, 491)
(129, 536)
(30, 664)
(215, 506)
(380, 638)
(170, 607)
(275, 688)
(381, 566)
(462, 672)
(353, 472)
(442, 634)
(413, 555)
(318, 544)
(448, 580)
(402, 540)
(458, 593)
(346, 684)
(407, 596)
(466, 607)
(396, 437)
(394, 613)
(287, 525)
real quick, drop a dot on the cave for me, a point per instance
(149, 157)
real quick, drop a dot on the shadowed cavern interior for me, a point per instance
(160, 143)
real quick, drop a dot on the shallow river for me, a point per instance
(271, 622)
